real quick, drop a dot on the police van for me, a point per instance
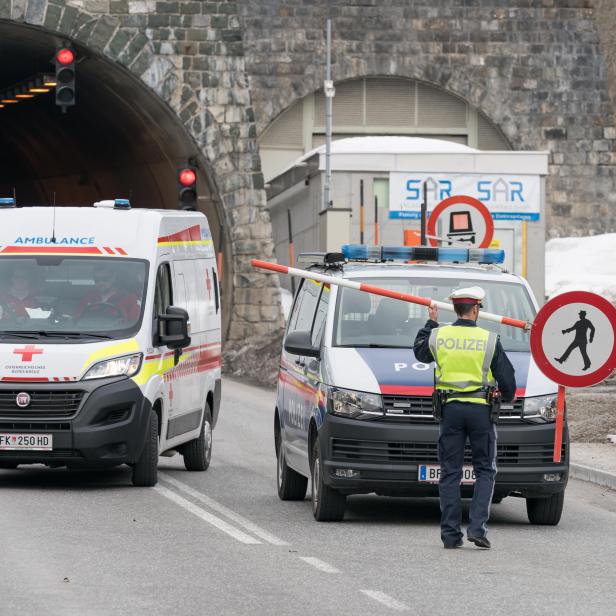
(110, 337)
(354, 411)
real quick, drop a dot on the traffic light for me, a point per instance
(187, 187)
(64, 61)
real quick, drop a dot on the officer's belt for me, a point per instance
(478, 393)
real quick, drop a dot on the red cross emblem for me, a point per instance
(28, 352)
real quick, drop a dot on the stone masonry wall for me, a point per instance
(190, 54)
(534, 67)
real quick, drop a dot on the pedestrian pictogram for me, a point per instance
(587, 359)
(580, 341)
(461, 219)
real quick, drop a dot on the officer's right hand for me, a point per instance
(564, 331)
(433, 312)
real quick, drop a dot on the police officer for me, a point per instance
(470, 361)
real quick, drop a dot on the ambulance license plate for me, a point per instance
(26, 442)
(431, 473)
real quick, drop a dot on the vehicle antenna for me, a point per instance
(53, 230)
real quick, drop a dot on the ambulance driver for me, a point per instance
(108, 300)
(19, 294)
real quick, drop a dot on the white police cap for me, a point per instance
(468, 295)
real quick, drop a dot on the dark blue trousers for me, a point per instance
(459, 421)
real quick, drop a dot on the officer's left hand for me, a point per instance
(433, 312)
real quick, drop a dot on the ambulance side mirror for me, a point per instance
(300, 343)
(173, 328)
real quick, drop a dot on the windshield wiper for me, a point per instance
(56, 334)
(18, 334)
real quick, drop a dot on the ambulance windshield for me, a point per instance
(371, 320)
(75, 296)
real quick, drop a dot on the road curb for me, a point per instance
(594, 475)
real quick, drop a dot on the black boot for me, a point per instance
(481, 542)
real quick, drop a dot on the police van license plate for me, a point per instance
(431, 473)
(26, 442)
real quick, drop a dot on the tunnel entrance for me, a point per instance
(119, 140)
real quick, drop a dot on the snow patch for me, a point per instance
(581, 264)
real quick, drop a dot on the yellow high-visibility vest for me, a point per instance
(463, 356)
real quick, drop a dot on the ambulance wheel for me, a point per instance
(198, 452)
(545, 511)
(291, 485)
(145, 470)
(328, 505)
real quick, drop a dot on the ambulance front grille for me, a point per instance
(388, 452)
(43, 403)
(418, 409)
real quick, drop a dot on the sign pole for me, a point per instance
(424, 214)
(560, 416)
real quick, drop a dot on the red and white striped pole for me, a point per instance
(368, 288)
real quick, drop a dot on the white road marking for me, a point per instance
(386, 600)
(206, 516)
(319, 564)
(220, 508)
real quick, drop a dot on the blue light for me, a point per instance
(358, 252)
(122, 204)
(7, 202)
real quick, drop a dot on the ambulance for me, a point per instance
(110, 337)
(354, 412)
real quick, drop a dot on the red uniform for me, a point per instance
(13, 307)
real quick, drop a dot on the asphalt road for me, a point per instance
(220, 542)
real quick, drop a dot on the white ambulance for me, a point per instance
(110, 337)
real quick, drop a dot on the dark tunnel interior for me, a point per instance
(119, 140)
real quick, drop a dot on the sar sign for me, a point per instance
(461, 219)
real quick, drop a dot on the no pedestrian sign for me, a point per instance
(573, 339)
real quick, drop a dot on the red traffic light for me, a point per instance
(187, 177)
(65, 56)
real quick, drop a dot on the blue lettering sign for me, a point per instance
(412, 188)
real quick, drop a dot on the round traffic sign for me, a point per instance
(573, 339)
(462, 219)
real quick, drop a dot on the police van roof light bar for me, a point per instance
(358, 252)
(368, 288)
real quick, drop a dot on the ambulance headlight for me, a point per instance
(354, 404)
(128, 365)
(540, 408)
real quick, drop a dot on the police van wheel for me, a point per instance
(328, 505)
(291, 485)
(545, 511)
(198, 452)
(145, 470)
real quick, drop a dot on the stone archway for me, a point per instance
(190, 103)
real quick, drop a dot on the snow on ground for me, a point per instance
(581, 264)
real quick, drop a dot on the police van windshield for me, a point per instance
(54, 296)
(370, 320)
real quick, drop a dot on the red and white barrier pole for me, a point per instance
(368, 288)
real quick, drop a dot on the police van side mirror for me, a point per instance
(173, 328)
(300, 343)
